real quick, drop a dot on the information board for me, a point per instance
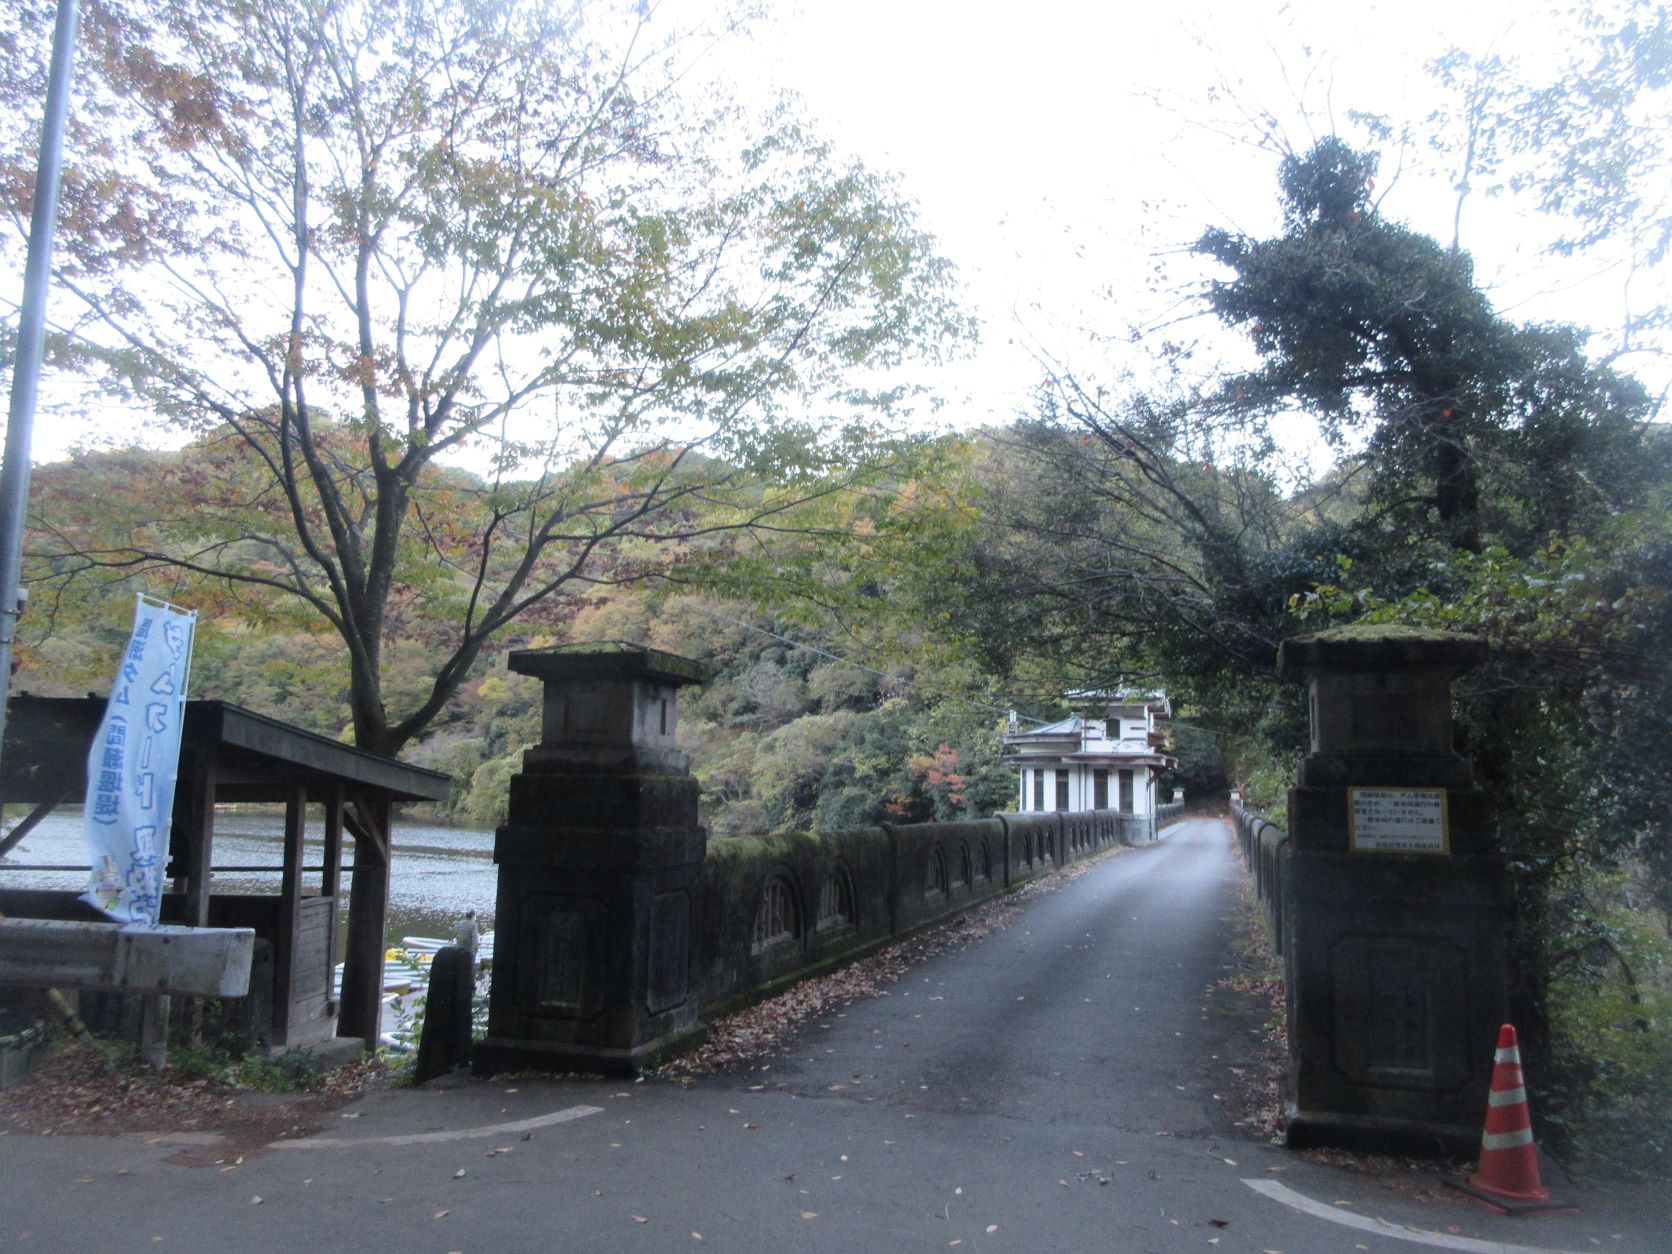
(1398, 820)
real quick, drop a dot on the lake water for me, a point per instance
(437, 874)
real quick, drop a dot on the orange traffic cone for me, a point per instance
(1507, 1175)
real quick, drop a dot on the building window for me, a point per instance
(1126, 792)
(1100, 790)
(1039, 790)
(1062, 790)
(775, 917)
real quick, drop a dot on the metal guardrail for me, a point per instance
(161, 959)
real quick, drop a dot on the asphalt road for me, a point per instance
(1055, 1086)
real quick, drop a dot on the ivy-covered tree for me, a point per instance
(1474, 425)
(342, 241)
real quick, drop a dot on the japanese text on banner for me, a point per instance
(132, 764)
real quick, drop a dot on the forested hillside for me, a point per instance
(858, 706)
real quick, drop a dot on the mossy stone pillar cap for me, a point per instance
(1381, 647)
(610, 660)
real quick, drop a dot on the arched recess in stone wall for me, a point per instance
(935, 882)
(838, 905)
(777, 914)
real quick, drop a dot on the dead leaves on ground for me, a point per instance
(91, 1089)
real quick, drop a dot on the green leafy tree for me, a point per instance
(342, 241)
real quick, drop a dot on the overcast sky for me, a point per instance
(1066, 152)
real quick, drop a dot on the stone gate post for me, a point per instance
(1396, 928)
(599, 866)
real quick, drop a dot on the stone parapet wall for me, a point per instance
(1265, 848)
(779, 908)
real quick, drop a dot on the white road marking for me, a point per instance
(451, 1134)
(1382, 1228)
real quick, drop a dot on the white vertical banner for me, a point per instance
(132, 764)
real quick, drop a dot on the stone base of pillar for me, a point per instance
(595, 955)
(1370, 1135)
(1395, 985)
(494, 1056)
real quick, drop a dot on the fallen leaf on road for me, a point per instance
(695, 1235)
(640, 1219)
(992, 1227)
(1064, 1183)
(809, 1214)
(1220, 1223)
(459, 1174)
(256, 1200)
(442, 1214)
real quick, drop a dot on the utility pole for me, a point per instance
(31, 342)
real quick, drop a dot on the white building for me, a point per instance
(1104, 756)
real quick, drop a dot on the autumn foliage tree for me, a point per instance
(343, 243)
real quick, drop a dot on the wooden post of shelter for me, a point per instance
(290, 891)
(330, 881)
(195, 836)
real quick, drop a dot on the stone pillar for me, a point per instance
(599, 868)
(1397, 911)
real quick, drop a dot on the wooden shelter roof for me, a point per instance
(257, 759)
